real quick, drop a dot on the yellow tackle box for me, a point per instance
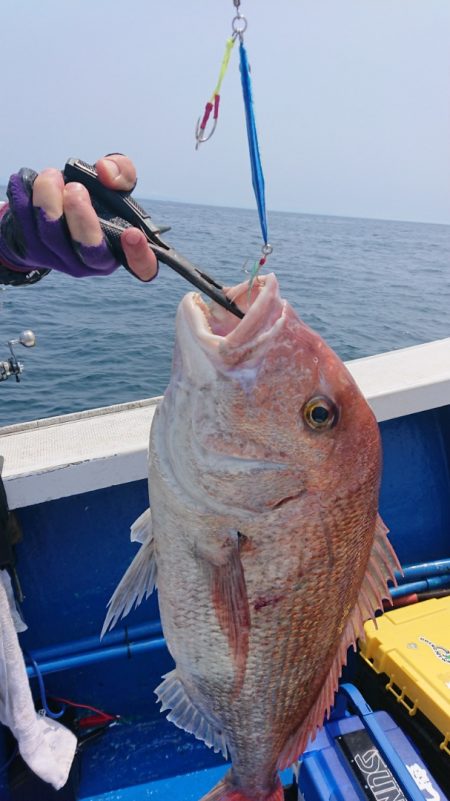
(411, 645)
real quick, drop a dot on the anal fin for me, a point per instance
(184, 714)
(140, 578)
(380, 569)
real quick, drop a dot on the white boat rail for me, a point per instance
(62, 456)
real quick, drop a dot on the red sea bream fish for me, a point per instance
(265, 541)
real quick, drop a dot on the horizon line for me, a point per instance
(162, 199)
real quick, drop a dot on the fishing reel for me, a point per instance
(12, 366)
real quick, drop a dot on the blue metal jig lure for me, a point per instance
(239, 25)
(255, 158)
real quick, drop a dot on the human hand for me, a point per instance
(51, 225)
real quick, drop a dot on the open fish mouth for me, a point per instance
(218, 329)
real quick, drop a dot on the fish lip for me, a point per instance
(219, 330)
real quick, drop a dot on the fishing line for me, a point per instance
(239, 26)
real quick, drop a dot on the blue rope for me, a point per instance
(255, 158)
(54, 715)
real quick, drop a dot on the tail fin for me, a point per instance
(227, 790)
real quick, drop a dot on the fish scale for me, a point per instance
(264, 473)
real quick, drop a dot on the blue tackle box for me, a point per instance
(363, 757)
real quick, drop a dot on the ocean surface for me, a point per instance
(367, 286)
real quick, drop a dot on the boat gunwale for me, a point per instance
(84, 451)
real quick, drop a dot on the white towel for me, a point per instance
(47, 746)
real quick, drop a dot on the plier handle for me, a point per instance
(118, 210)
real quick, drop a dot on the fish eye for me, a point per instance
(320, 413)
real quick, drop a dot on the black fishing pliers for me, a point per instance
(117, 210)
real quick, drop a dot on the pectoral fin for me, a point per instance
(140, 578)
(229, 596)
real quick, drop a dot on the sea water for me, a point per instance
(366, 286)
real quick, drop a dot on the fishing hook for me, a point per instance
(239, 26)
(200, 130)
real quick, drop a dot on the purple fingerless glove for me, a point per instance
(30, 241)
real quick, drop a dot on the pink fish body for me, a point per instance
(265, 542)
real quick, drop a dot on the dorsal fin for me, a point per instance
(140, 578)
(380, 568)
(142, 528)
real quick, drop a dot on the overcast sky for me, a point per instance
(351, 99)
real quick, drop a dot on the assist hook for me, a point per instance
(239, 26)
(200, 130)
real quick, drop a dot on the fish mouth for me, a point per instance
(218, 329)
